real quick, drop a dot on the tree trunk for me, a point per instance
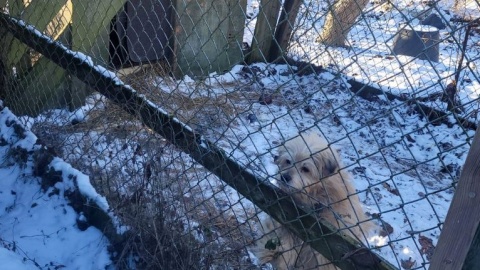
(284, 28)
(340, 19)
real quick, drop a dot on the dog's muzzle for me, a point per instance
(286, 177)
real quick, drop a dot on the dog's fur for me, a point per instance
(310, 172)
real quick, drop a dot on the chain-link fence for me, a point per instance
(195, 120)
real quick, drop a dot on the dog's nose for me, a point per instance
(286, 178)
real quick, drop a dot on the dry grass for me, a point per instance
(177, 227)
(203, 108)
(148, 182)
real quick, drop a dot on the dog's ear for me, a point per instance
(331, 165)
(280, 152)
(330, 162)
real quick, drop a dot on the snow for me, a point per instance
(83, 183)
(404, 167)
(369, 58)
(391, 151)
(38, 228)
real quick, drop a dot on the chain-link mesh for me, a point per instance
(169, 105)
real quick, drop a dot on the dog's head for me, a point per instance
(309, 170)
(305, 165)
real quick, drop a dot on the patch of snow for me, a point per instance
(39, 228)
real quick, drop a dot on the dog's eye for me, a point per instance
(305, 170)
(288, 162)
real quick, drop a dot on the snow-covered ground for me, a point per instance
(369, 57)
(403, 166)
(38, 226)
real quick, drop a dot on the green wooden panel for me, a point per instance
(45, 86)
(38, 13)
(38, 90)
(208, 36)
(90, 35)
(91, 27)
(37, 82)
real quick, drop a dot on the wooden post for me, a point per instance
(284, 29)
(264, 33)
(459, 243)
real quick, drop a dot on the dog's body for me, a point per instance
(310, 172)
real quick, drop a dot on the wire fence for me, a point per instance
(210, 125)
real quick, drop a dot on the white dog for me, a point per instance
(310, 172)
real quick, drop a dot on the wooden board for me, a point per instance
(208, 36)
(36, 79)
(91, 27)
(38, 13)
(149, 30)
(91, 36)
(43, 85)
(462, 223)
(43, 88)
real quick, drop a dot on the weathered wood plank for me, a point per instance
(91, 27)
(41, 88)
(44, 86)
(264, 32)
(56, 27)
(11, 45)
(90, 35)
(37, 82)
(38, 13)
(273, 201)
(208, 36)
(463, 219)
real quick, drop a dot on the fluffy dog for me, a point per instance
(310, 172)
